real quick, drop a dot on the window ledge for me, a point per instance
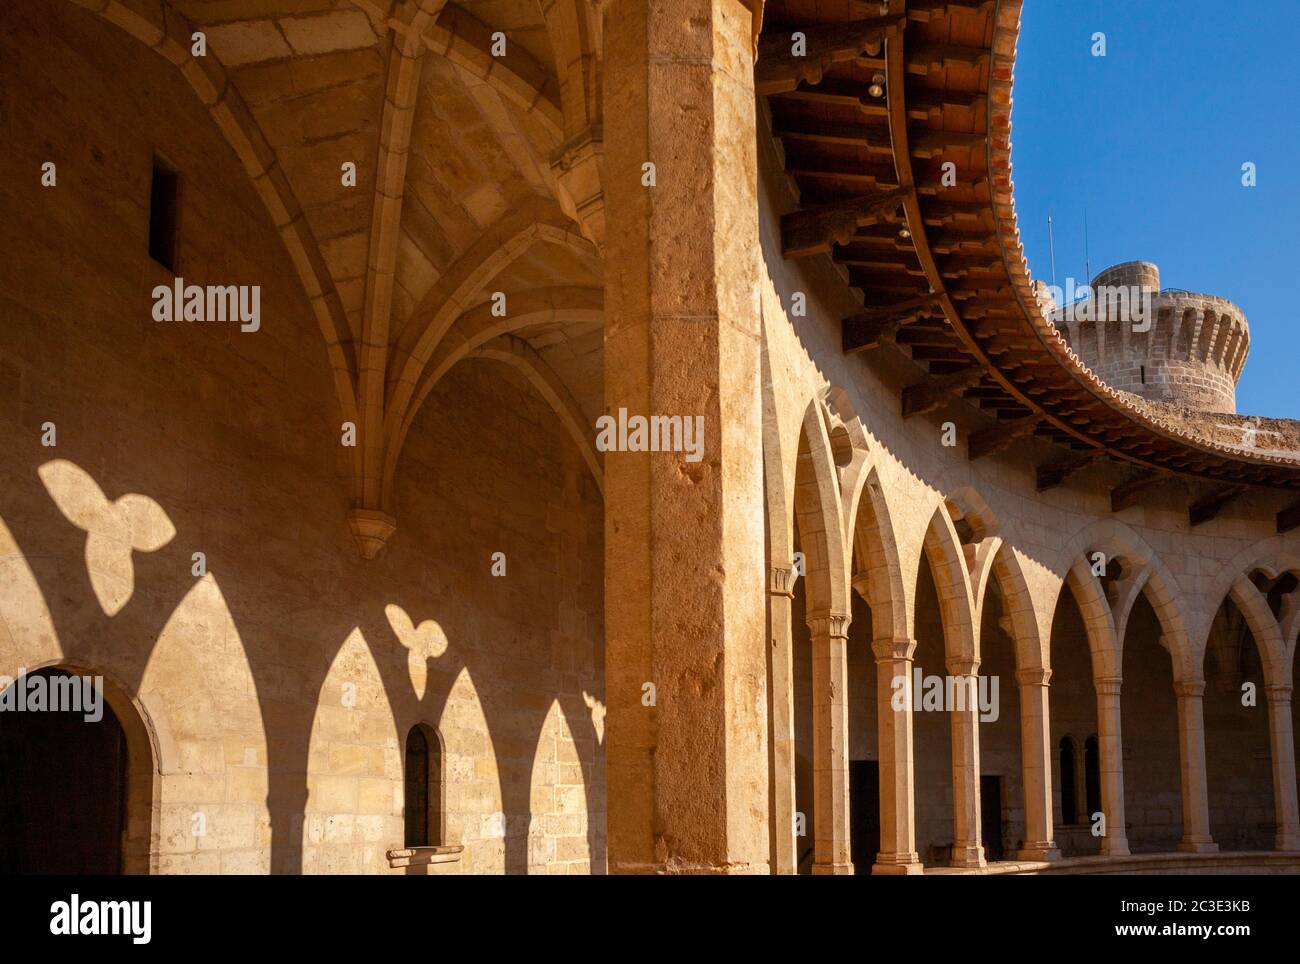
(423, 856)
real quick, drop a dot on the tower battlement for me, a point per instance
(1188, 350)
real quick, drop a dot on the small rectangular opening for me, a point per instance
(164, 200)
(1143, 370)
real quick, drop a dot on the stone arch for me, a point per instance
(523, 357)
(943, 550)
(136, 716)
(1143, 572)
(1273, 556)
(880, 579)
(817, 510)
(433, 316)
(1031, 651)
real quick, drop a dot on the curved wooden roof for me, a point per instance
(894, 120)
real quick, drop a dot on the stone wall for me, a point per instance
(277, 689)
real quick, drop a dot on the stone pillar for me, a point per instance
(967, 849)
(897, 784)
(1036, 764)
(1191, 754)
(1110, 764)
(1282, 744)
(684, 543)
(781, 755)
(830, 676)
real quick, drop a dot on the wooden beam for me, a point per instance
(1127, 495)
(1211, 504)
(814, 230)
(997, 437)
(783, 64)
(873, 327)
(928, 395)
(1289, 518)
(1053, 474)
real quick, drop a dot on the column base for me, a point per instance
(1287, 841)
(968, 857)
(897, 865)
(1039, 850)
(1198, 845)
(1114, 847)
(832, 870)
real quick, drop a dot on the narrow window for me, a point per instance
(1092, 775)
(1069, 805)
(1143, 370)
(423, 768)
(163, 204)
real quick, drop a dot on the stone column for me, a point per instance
(1110, 764)
(1191, 754)
(897, 784)
(1036, 764)
(1282, 743)
(967, 849)
(830, 675)
(684, 544)
(781, 756)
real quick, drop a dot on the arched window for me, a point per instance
(1092, 775)
(424, 787)
(1069, 799)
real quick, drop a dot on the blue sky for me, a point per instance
(1150, 140)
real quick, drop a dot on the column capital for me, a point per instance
(1278, 692)
(371, 529)
(1189, 687)
(829, 624)
(963, 666)
(887, 649)
(780, 581)
(1033, 676)
(1108, 685)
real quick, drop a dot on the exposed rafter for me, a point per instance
(814, 230)
(1208, 506)
(1129, 493)
(1054, 473)
(873, 327)
(929, 394)
(1289, 518)
(784, 61)
(997, 437)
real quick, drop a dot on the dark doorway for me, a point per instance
(991, 816)
(1092, 776)
(63, 790)
(864, 813)
(1069, 798)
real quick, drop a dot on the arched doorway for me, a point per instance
(77, 792)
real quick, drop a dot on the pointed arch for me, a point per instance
(1144, 572)
(522, 356)
(816, 508)
(879, 579)
(943, 550)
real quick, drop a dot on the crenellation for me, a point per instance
(1178, 356)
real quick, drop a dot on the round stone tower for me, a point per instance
(1169, 346)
